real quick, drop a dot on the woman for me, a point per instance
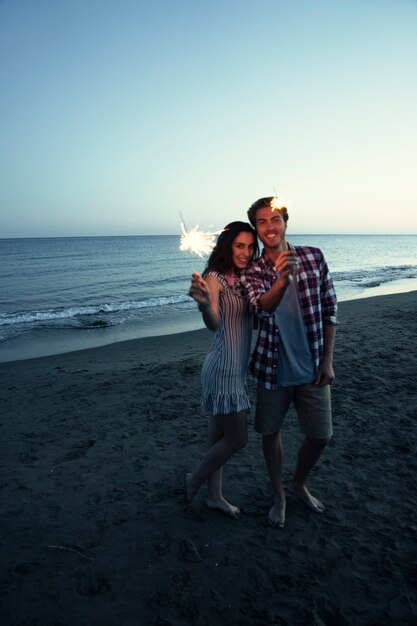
(224, 395)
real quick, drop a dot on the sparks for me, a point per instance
(197, 241)
(276, 205)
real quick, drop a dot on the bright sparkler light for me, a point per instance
(197, 241)
(276, 205)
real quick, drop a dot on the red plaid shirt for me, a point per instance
(318, 306)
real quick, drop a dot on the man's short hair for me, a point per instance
(262, 203)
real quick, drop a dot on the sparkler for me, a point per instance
(197, 241)
(276, 205)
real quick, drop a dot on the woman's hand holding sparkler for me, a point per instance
(199, 290)
(207, 297)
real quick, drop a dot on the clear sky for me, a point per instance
(118, 114)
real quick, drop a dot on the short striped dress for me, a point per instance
(224, 370)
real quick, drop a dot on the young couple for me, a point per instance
(290, 290)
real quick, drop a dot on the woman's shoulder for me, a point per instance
(221, 278)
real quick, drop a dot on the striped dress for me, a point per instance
(224, 370)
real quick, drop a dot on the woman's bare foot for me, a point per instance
(276, 515)
(189, 489)
(223, 505)
(304, 494)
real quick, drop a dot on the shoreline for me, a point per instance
(20, 350)
(94, 527)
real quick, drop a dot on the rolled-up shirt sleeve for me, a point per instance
(253, 281)
(328, 296)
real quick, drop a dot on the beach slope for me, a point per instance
(95, 529)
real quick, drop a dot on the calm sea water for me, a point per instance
(62, 294)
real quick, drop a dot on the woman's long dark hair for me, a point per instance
(220, 259)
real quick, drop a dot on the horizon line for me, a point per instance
(350, 234)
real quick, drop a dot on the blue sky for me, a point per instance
(118, 114)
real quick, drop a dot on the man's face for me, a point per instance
(270, 227)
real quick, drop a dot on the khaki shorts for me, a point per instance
(312, 403)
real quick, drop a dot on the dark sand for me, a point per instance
(95, 529)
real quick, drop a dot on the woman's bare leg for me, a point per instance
(272, 449)
(234, 438)
(214, 482)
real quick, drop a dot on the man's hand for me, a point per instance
(286, 264)
(325, 373)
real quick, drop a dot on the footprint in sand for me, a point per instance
(80, 450)
(189, 551)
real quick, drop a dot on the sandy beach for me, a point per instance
(95, 529)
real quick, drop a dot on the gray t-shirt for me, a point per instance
(295, 362)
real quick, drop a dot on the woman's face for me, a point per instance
(243, 247)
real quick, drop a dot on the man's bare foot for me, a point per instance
(189, 489)
(223, 505)
(276, 515)
(312, 502)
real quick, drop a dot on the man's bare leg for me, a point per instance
(308, 455)
(272, 449)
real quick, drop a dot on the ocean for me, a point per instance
(64, 294)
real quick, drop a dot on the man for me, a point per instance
(290, 290)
